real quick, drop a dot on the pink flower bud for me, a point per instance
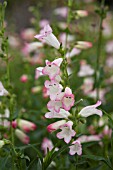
(24, 78)
(54, 126)
(26, 125)
(82, 13)
(22, 136)
(83, 45)
(14, 124)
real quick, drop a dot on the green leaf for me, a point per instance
(98, 158)
(51, 155)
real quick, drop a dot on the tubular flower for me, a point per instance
(47, 36)
(26, 125)
(52, 68)
(75, 148)
(83, 45)
(46, 144)
(67, 133)
(62, 114)
(22, 136)
(54, 126)
(91, 110)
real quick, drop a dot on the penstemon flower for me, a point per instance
(26, 125)
(67, 133)
(75, 148)
(22, 136)
(47, 36)
(83, 45)
(62, 114)
(46, 144)
(54, 126)
(91, 110)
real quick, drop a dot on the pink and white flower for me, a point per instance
(38, 72)
(67, 132)
(30, 47)
(47, 145)
(47, 36)
(85, 138)
(91, 110)
(62, 114)
(62, 11)
(53, 88)
(68, 99)
(81, 13)
(75, 148)
(85, 69)
(73, 52)
(54, 105)
(83, 45)
(52, 68)
(55, 126)
(3, 91)
(26, 125)
(22, 136)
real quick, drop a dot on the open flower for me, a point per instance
(26, 125)
(53, 88)
(68, 99)
(62, 114)
(91, 110)
(54, 105)
(3, 91)
(52, 68)
(67, 132)
(47, 36)
(85, 69)
(54, 126)
(22, 136)
(75, 148)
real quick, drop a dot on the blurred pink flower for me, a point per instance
(26, 125)
(83, 45)
(28, 34)
(22, 136)
(85, 69)
(46, 145)
(24, 78)
(75, 148)
(62, 11)
(43, 22)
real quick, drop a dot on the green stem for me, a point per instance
(99, 51)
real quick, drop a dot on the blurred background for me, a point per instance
(18, 14)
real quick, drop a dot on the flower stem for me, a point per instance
(97, 79)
